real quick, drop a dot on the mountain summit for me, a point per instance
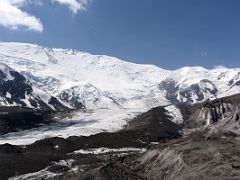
(83, 80)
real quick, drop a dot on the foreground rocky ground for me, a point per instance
(193, 157)
(204, 154)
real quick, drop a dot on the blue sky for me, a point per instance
(167, 33)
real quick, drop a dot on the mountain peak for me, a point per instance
(114, 81)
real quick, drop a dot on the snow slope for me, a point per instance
(111, 80)
(59, 70)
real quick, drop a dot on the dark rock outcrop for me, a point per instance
(212, 111)
(13, 119)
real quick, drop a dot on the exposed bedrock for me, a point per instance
(220, 110)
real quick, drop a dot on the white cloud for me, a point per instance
(11, 16)
(74, 5)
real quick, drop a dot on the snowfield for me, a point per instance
(80, 124)
(107, 150)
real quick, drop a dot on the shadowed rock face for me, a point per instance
(235, 81)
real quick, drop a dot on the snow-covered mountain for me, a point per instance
(196, 84)
(82, 93)
(15, 90)
(83, 80)
(113, 91)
